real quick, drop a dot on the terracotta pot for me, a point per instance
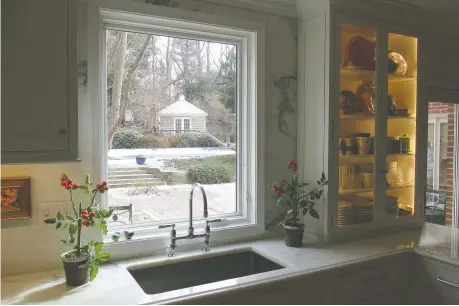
(76, 273)
(294, 235)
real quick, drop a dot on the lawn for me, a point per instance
(209, 165)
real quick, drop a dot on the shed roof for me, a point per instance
(182, 108)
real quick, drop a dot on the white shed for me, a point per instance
(182, 116)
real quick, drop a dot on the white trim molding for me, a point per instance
(249, 37)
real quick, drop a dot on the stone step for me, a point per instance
(127, 171)
(134, 180)
(134, 176)
(134, 184)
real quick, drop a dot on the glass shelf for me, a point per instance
(366, 190)
(370, 117)
(370, 75)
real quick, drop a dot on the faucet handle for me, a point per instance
(207, 234)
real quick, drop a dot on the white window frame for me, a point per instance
(250, 38)
(182, 119)
(437, 119)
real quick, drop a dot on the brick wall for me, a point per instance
(447, 108)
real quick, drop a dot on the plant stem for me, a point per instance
(79, 235)
(73, 204)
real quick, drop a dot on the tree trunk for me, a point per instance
(118, 112)
(120, 60)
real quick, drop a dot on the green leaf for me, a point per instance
(86, 179)
(93, 273)
(103, 256)
(70, 218)
(60, 216)
(73, 228)
(84, 188)
(58, 224)
(63, 241)
(305, 211)
(314, 213)
(98, 247)
(103, 226)
(72, 239)
(50, 220)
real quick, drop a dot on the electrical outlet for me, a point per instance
(50, 210)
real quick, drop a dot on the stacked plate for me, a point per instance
(345, 214)
(354, 213)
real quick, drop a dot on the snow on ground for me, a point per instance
(171, 202)
(125, 158)
(168, 152)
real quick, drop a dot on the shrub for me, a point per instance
(194, 140)
(126, 138)
(151, 142)
(210, 174)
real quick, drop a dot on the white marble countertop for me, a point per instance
(115, 285)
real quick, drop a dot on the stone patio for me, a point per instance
(159, 203)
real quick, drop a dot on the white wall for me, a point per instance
(27, 247)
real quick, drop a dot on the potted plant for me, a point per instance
(81, 263)
(296, 200)
(140, 159)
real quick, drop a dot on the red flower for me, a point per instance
(92, 214)
(86, 223)
(98, 186)
(67, 186)
(63, 183)
(75, 186)
(69, 181)
(84, 212)
(292, 165)
(277, 191)
(104, 183)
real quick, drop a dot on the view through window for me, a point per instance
(172, 118)
(441, 163)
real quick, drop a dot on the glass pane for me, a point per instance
(186, 124)
(401, 125)
(178, 125)
(430, 156)
(152, 164)
(357, 125)
(440, 163)
(443, 160)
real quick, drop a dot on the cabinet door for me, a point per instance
(401, 124)
(357, 123)
(38, 84)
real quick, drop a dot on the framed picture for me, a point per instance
(15, 198)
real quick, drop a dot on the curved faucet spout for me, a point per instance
(204, 198)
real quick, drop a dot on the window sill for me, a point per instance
(150, 240)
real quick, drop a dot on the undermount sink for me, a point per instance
(179, 275)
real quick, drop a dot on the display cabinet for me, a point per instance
(360, 77)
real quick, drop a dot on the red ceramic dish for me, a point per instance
(361, 52)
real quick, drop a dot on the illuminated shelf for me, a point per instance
(365, 190)
(370, 75)
(344, 159)
(371, 117)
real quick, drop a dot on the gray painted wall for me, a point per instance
(198, 123)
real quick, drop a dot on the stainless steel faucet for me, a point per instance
(191, 234)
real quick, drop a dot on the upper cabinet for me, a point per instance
(39, 81)
(359, 121)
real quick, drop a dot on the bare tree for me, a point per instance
(122, 86)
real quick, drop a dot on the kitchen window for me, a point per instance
(441, 164)
(228, 122)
